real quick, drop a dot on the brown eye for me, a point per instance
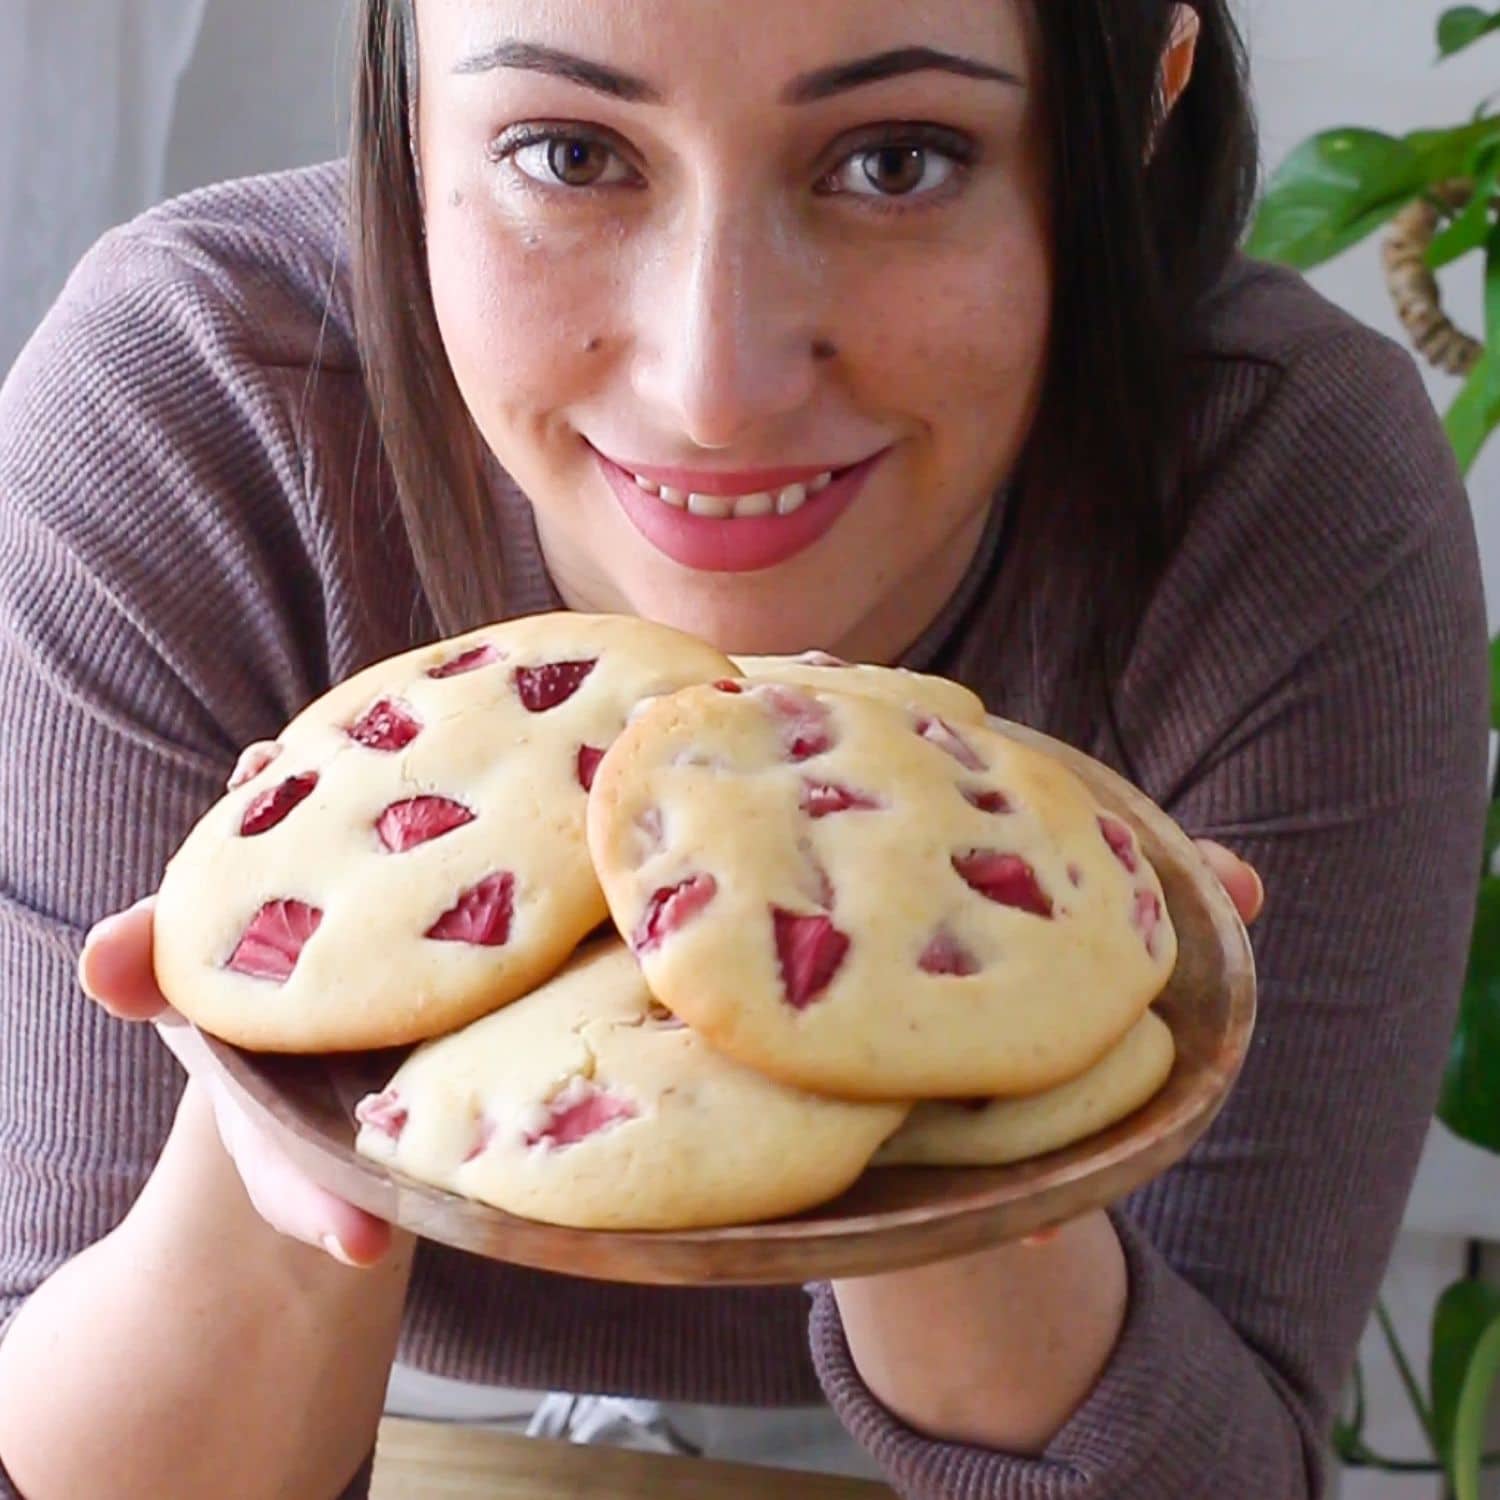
(895, 170)
(577, 163)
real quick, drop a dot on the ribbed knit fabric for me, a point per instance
(197, 537)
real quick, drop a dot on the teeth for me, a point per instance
(762, 503)
(717, 506)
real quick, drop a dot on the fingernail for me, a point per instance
(334, 1246)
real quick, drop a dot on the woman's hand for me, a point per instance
(115, 968)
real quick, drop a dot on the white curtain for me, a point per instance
(86, 95)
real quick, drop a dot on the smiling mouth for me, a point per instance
(783, 501)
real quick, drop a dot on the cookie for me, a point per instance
(586, 1104)
(818, 670)
(414, 856)
(867, 901)
(992, 1132)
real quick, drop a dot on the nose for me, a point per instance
(725, 336)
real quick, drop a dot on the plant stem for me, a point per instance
(1473, 1406)
(1408, 1380)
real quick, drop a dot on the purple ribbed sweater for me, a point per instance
(196, 539)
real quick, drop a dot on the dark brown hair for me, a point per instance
(1146, 215)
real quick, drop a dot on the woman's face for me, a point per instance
(691, 258)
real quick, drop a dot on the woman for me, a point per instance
(943, 300)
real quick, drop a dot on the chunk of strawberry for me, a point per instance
(938, 732)
(820, 798)
(268, 809)
(387, 725)
(670, 908)
(810, 951)
(482, 915)
(468, 661)
(806, 725)
(588, 763)
(987, 801)
(404, 825)
(1005, 879)
(271, 945)
(1117, 836)
(579, 1111)
(1148, 918)
(730, 685)
(944, 954)
(383, 1112)
(483, 1135)
(546, 686)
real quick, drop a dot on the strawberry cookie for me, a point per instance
(817, 670)
(587, 1104)
(991, 1132)
(414, 856)
(869, 901)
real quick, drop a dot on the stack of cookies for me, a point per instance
(686, 940)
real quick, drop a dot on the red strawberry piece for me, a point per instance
(588, 763)
(271, 945)
(388, 725)
(729, 685)
(482, 915)
(1117, 836)
(819, 798)
(806, 725)
(944, 954)
(468, 661)
(987, 801)
(1005, 879)
(581, 1110)
(383, 1112)
(545, 687)
(1148, 918)
(268, 809)
(810, 950)
(942, 734)
(482, 1138)
(404, 825)
(670, 908)
(1075, 875)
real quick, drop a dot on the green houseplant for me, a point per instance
(1434, 193)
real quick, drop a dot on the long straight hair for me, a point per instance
(1146, 211)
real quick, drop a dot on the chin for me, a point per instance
(770, 628)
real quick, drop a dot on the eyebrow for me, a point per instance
(822, 83)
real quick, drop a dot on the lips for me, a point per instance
(767, 517)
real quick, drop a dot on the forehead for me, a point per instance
(747, 46)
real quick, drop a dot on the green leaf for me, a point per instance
(1339, 186)
(1463, 26)
(1495, 683)
(1331, 192)
(1470, 1101)
(1491, 828)
(1473, 1408)
(1472, 416)
(1470, 229)
(1460, 1318)
(1492, 318)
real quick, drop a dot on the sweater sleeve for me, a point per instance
(1355, 781)
(156, 612)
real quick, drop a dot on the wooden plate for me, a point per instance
(891, 1217)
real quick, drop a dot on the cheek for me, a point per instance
(517, 308)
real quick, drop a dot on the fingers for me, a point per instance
(290, 1202)
(115, 965)
(253, 760)
(1239, 879)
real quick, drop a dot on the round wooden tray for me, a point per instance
(891, 1217)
